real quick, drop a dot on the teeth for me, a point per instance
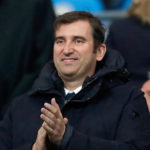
(68, 60)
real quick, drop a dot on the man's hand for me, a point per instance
(40, 143)
(146, 89)
(54, 123)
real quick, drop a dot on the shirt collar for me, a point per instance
(75, 91)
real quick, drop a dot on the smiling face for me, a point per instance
(74, 55)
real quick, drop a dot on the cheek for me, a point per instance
(56, 56)
(87, 52)
(84, 51)
(57, 51)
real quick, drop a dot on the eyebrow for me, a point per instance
(59, 37)
(79, 37)
(74, 37)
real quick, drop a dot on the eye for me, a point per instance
(79, 41)
(59, 41)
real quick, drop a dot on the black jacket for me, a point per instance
(26, 37)
(107, 114)
(131, 38)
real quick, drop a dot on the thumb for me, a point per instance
(65, 120)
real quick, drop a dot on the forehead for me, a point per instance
(81, 27)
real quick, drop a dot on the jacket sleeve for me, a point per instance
(6, 133)
(132, 133)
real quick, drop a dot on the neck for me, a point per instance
(72, 85)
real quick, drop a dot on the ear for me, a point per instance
(100, 53)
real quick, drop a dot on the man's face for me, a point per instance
(73, 51)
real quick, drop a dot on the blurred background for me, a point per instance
(94, 6)
(106, 10)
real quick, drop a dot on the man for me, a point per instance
(106, 113)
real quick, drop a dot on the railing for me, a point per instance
(111, 14)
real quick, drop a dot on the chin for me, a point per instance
(68, 74)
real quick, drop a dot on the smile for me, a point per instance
(69, 59)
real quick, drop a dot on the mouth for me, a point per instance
(67, 60)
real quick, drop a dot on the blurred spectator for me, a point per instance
(26, 37)
(146, 89)
(131, 37)
(116, 4)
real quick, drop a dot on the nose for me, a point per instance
(68, 48)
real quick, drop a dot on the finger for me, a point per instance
(48, 129)
(53, 110)
(54, 103)
(48, 121)
(50, 107)
(49, 114)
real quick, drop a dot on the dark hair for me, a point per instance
(97, 27)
